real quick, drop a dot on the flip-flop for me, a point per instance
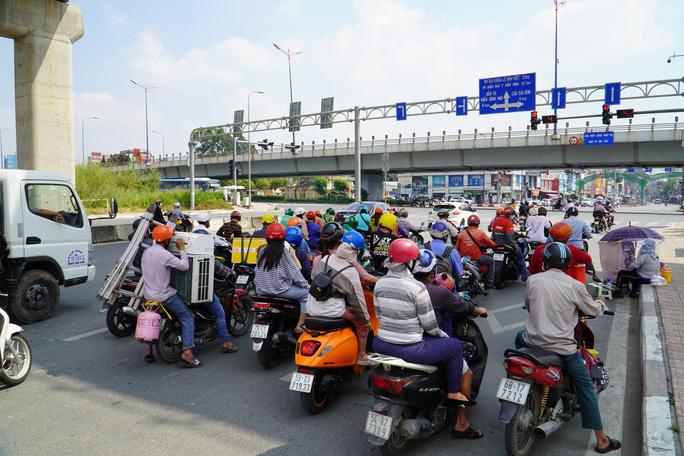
(195, 363)
(613, 444)
(228, 350)
(149, 358)
(470, 434)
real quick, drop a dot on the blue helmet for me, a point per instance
(293, 235)
(426, 262)
(353, 238)
(439, 230)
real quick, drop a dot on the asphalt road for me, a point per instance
(91, 393)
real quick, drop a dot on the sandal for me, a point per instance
(149, 358)
(470, 434)
(613, 444)
(195, 363)
(232, 349)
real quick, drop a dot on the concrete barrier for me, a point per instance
(109, 233)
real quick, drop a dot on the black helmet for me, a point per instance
(572, 211)
(331, 232)
(542, 211)
(403, 212)
(556, 255)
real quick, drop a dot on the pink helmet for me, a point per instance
(446, 280)
(403, 251)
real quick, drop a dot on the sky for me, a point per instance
(207, 56)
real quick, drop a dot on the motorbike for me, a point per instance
(409, 400)
(15, 352)
(184, 223)
(596, 225)
(245, 278)
(472, 281)
(273, 332)
(121, 318)
(536, 395)
(506, 264)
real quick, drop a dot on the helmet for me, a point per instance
(363, 210)
(162, 233)
(176, 204)
(136, 224)
(474, 220)
(300, 211)
(445, 280)
(388, 221)
(351, 221)
(508, 211)
(403, 212)
(311, 215)
(275, 231)
(204, 217)
(443, 213)
(426, 263)
(532, 212)
(560, 232)
(542, 211)
(330, 211)
(403, 251)
(499, 211)
(572, 211)
(293, 235)
(439, 230)
(378, 210)
(267, 219)
(557, 255)
(332, 231)
(294, 221)
(353, 238)
(289, 211)
(318, 213)
(236, 214)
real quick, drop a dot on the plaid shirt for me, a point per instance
(230, 230)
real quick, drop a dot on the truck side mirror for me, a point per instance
(113, 208)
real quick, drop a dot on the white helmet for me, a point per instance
(203, 217)
(300, 211)
(532, 212)
(176, 204)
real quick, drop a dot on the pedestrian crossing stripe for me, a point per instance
(651, 223)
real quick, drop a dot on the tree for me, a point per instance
(278, 183)
(261, 184)
(216, 142)
(340, 185)
(321, 185)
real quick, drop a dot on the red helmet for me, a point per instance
(403, 250)
(162, 233)
(311, 215)
(508, 211)
(236, 214)
(275, 231)
(445, 280)
(378, 210)
(474, 220)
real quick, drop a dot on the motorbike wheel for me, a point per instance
(396, 445)
(269, 356)
(315, 401)
(15, 370)
(35, 297)
(241, 317)
(118, 323)
(499, 280)
(169, 346)
(518, 433)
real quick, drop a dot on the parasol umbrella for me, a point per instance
(618, 249)
(631, 233)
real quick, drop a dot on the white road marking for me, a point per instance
(651, 223)
(672, 223)
(286, 378)
(84, 335)
(496, 326)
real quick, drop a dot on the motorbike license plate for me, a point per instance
(259, 331)
(513, 391)
(301, 382)
(498, 257)
(378, 425)
(242, 279)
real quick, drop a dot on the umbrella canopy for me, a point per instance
(631, 233)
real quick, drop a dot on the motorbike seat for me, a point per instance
(327, 323)
(275, 300)
(398, 362)
(541, 357)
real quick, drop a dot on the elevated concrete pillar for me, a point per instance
(43, 32)
(373, 183)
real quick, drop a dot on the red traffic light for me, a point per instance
(533, 114)
(606, 115)
(625, 113)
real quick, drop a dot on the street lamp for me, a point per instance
(83, 137)
(672, 57)
(249, 146)
(289, 68)
(163, 146)
(2, 157)
(145, 87)
(555, 76)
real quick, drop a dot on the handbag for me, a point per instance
(597, 370)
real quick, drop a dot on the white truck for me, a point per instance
(45, 242)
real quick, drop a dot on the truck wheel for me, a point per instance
(35, 297)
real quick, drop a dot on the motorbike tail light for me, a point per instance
(309, 347)
(244, 270)
(520, 366)
(261, 305)
(392, 384)
(430, 212)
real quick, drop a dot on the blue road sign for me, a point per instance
(508, 94)
(612, 93)
(558, 98)
(668, 170)
(598, 139)
(630, 170)
(648, 170)
(461, 106)
(401, 111)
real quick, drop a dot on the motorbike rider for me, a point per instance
(158, 214)
(203, 223)
(287, 216)
(157, 262)
(524, 212)
(350, 223)
(278, 273)
(601, 213)
(553, 300)
(300, 214)
(537, 226)
(266, 220)
(439, 232)
(330, 239)
(402, 218)
(558, 204)
(176, 213)
(329, 215)
(314, 230)
(375, 218)
(499, 213)
(471, 242)
(559, 232)
(231, 229)
(293, 236)
(145, 244)
(407, 324)
(364, 222)
(503, 233)
(381, 240)
(443, 216)
(347, 300)
(319, 219)
(569, 204)
(580, 231)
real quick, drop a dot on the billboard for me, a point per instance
(456, 181)
(438, 181)
(419, 185)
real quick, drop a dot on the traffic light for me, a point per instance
(625, 113)
(534, 120)
(265, 144)
(606, 115)
(231, 166)
(292, 147)
(550, 119)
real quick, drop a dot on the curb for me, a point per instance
(656, 417)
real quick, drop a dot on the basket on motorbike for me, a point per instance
(245, 249)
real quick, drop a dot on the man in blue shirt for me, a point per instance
(439, 231)
(314, 230)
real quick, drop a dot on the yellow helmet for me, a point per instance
(267, 219)
(388, 221)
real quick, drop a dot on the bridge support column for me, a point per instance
(373, 184)
(43, 32)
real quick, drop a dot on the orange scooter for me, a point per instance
(326, 357)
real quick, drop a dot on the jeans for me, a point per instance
(489, 261)
(299, 293)
(216, 309)
(586, 393)
(187, 320)
(521, 262)
(430, 350)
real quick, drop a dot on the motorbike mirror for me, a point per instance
(465, 259)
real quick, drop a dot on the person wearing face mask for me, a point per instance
(503, 233)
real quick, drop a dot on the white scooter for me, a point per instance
(15, 352)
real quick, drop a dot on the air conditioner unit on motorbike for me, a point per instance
(196, 285)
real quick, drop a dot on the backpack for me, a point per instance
(322, 285)
(443, 262)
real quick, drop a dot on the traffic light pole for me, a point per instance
(234, 170)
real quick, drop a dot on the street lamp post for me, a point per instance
(145, 87)
(83, 137)
(555, 76)
(2, 156)
(249, 146)
(163, 146)
(289, 68)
